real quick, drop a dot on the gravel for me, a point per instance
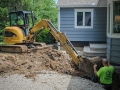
(47, 80)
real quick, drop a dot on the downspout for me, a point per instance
(58, 44)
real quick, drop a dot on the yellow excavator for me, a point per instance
(19, 37)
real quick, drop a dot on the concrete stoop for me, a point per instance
(95, 50)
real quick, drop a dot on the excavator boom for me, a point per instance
(59, 36)
(65, 43)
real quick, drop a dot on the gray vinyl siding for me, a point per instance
(113, 50)
(97, 33)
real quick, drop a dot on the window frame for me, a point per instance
(109, 15)
(111, 34)
(83, 10)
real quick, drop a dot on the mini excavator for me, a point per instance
(19, 37)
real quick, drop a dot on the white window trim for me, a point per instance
(83, 10)
(111, 34)
(108, 19)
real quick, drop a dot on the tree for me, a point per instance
(43, 9)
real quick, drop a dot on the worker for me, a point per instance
(20, 21)
(105, 74)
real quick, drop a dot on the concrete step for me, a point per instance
(96, 47)
(88, 52)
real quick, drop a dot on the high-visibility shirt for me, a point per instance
(20, 22)
(105, 73)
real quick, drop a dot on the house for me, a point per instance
(113, 31)
(83, 21)
(87, 21)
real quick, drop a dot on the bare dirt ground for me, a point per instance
(35, 61)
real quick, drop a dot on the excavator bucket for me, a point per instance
(86, 65)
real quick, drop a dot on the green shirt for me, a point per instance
(20, 22)
(105, 74)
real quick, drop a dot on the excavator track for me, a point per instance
(13, 48)
(20, 48)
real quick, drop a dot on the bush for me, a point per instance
(1, 35)
(46, 37)
(1, 38)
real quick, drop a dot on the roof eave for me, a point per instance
(76, 5)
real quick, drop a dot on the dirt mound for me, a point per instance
(35, 61)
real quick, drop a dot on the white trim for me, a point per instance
(83, 10)
(109, 19)
(115, 35)
(76, 5)
(58, 19)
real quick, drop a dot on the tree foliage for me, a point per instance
(46, 37)
(43, 9)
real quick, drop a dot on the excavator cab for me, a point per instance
(20, 24)
(22, 19)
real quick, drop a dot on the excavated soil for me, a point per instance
(33, 62)
(37, 60)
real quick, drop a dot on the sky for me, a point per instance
(56, 1)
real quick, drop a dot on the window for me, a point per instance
(13, 18)
(116, 17)
(83, 18)
(16, 19)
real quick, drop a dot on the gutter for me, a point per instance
(92, 5)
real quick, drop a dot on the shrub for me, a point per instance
(46, 37)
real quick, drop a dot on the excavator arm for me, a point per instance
(59, 36)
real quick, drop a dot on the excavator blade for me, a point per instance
(13, 48)
(22, 48)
